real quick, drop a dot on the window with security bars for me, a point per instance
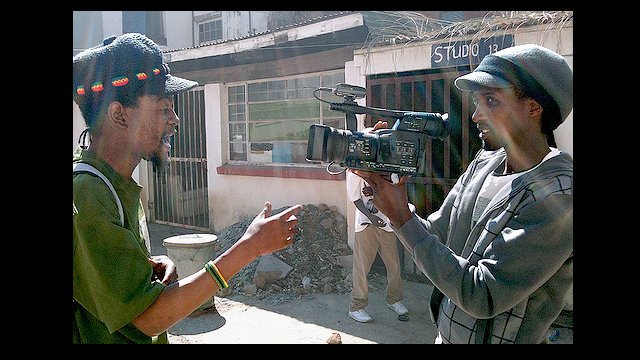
(210, 31)
(269, 120)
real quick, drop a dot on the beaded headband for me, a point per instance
(121, 80)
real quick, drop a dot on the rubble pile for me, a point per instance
(314, 258)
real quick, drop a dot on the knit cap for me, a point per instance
(130, 62)
(539, 72)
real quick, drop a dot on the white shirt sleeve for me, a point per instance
(354, 186)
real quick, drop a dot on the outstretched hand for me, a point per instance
(268, 233)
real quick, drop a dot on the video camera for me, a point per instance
(399, 150)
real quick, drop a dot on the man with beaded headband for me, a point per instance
(121, 69)
(121, 294)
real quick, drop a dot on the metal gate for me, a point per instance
(430, 91)
(180, 195)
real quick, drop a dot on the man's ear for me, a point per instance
(116, 114)
(535, 109)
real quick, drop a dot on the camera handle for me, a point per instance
(349, 93)
(353, 108)
(351, 122)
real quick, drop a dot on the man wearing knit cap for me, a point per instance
(121, 294)
(499, 251)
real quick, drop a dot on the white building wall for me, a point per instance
(237, 24)
(112, 23)
(353, 76)
(178, 26)
(234, 25)
(91, 27)
(87, 29)
(259, 20)
(233, 197)
(390, 59)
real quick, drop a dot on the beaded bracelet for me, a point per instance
(212, 269)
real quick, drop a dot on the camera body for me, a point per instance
(399, 150)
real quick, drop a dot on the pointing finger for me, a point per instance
(290, 214)
(266, 211)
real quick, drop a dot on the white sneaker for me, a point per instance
(360, 316)
(398, 307)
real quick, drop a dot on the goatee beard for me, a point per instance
(489, 146)
(159, 166)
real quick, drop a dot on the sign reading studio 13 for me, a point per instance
(467, 52)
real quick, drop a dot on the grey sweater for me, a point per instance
(514, 266)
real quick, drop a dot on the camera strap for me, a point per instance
(80, 167)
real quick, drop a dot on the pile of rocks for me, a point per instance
(319, 258)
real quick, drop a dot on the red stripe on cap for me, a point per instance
(121, 81)
(117, 82)
(97, 86)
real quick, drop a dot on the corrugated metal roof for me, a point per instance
(397, 27)
(294, 25)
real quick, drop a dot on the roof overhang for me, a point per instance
(344, 31)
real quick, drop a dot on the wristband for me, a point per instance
(212, 269)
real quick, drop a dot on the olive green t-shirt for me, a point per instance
(112, 278)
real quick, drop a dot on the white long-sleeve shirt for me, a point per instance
(355, 184)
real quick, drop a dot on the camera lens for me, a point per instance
(327, 144)
(337, 145)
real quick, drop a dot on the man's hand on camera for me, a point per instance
(377, 126)
(380, 125)
(390, 198)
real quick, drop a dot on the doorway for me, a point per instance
(180, 194)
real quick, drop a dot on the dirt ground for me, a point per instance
(309, 319)
(314, 318)
(300, 319)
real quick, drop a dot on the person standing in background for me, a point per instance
(373, 235)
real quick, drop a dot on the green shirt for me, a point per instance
(112, 279)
